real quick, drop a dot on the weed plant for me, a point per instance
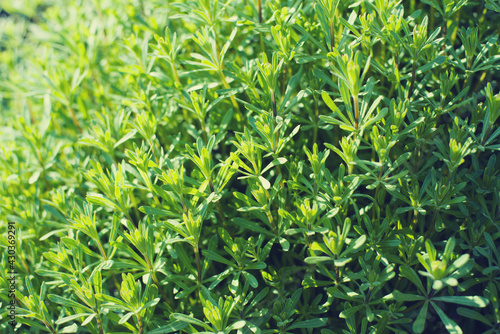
(250, 166)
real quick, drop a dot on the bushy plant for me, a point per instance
(251, 166)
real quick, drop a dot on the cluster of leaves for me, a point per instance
(290, 166)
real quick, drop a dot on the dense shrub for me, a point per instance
(250, 166)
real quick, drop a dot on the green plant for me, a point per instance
(290, 166)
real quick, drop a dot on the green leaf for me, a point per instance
(329, 102)
(354, 246)
(428, 66)
(342, 262)
(265, 183)
(252, 226)
(256, 265)
(174, 326)
(73, 317)
(419, 324)
(471, 314)
(125, 138)
(99, 199)
(112, 300)
(157, 212)
(474, 301)
(34, 177)
(406, 297)
(131, 252)
(251, 279)
(89, 319)
(285, 244)
(317, 259)
(449, 324)
(125, 318)
(458, 263)
(311, 323)
(275, 162)
(190, 320)
(216, 257)
(237, 325)
(410, 274)
(68, 302)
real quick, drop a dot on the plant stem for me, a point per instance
(433, 223)
(262, 45)
(369, 294)
(375, 204)
(396, 74)
(415, 219)
(413, 74)
(270, 217)
(259, 8)
(273, 100)
(25, 265)
(332, 35)
(220, 211)
(414, 306)
(52, 330)
(165, 297)
(115, 280)
(139, 321)
(151, 144)
(203, 131)
(101, 249)
(233, 100)
(99, 323)
(432, 18)
(176, 75)
(482, 144)
(75, 119)
(467, 76)
(316, 119)
(416, 159)
(479, 82)
(445, 31)
(198, 263)
(136, 212)
(32, 114)
(285, 80)
(356, 112)
(156, 281)
(128, 216)
(255, 93)
(337, 274)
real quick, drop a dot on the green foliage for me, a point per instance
(289, 166)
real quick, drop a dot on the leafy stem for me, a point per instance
(75, 119)
(198, 263)
(316, 120)
(376, 204)
(140, 325)
(356, 112)
(99, 321)
(233, 100)
(413, 74)
(332, 35)
(157, 282)
(101, 249)
(49, 326)
(285, 78)
(176, 75)
(273, 101)
(218, 206)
